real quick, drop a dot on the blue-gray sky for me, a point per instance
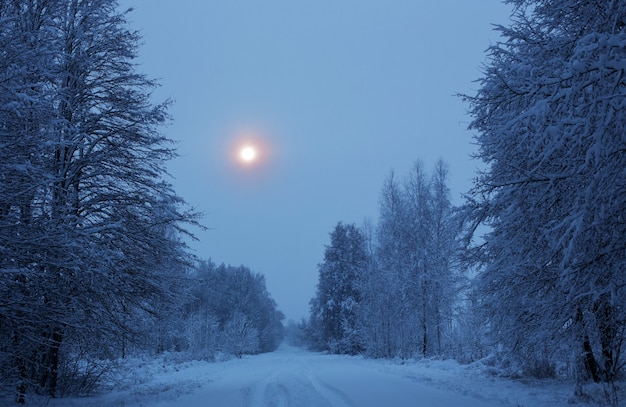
(338, 92)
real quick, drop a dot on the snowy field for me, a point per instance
(294, 377)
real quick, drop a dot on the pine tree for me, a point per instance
(334, 309)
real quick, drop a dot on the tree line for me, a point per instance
(392, 289)
(230, 311)
(530, 268)
(218, 311)
(93, 264)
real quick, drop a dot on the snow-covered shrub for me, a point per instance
(239, 336)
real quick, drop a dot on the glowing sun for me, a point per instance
(248, 154)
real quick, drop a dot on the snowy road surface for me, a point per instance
(292, 377)
(297, 378)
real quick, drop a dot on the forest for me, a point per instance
(528, 273)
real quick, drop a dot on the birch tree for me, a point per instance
(386, 285)
(409, 290)
(445, 277)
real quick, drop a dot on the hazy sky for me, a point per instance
(336, 92)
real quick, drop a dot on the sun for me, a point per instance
(248, 154)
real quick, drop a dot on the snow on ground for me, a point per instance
(294, 377)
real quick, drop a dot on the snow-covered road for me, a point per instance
(293, 377)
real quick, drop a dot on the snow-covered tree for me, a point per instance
(25, 113)
(410, 289)
(83, 204)
(384, 315)
(240, 336)
(225, 306)
(420, 257)
(335, 306)
(550, 125)
(444, 276)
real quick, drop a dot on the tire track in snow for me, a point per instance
(296, 378)
(335, 396)
(267, 393)
(294, 389)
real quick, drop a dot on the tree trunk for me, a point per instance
(438, 322)
(57, 338)
(424, 322)
(608, 335)
(47, 368)
(589, 360)
(425, 347)
(20, 397)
